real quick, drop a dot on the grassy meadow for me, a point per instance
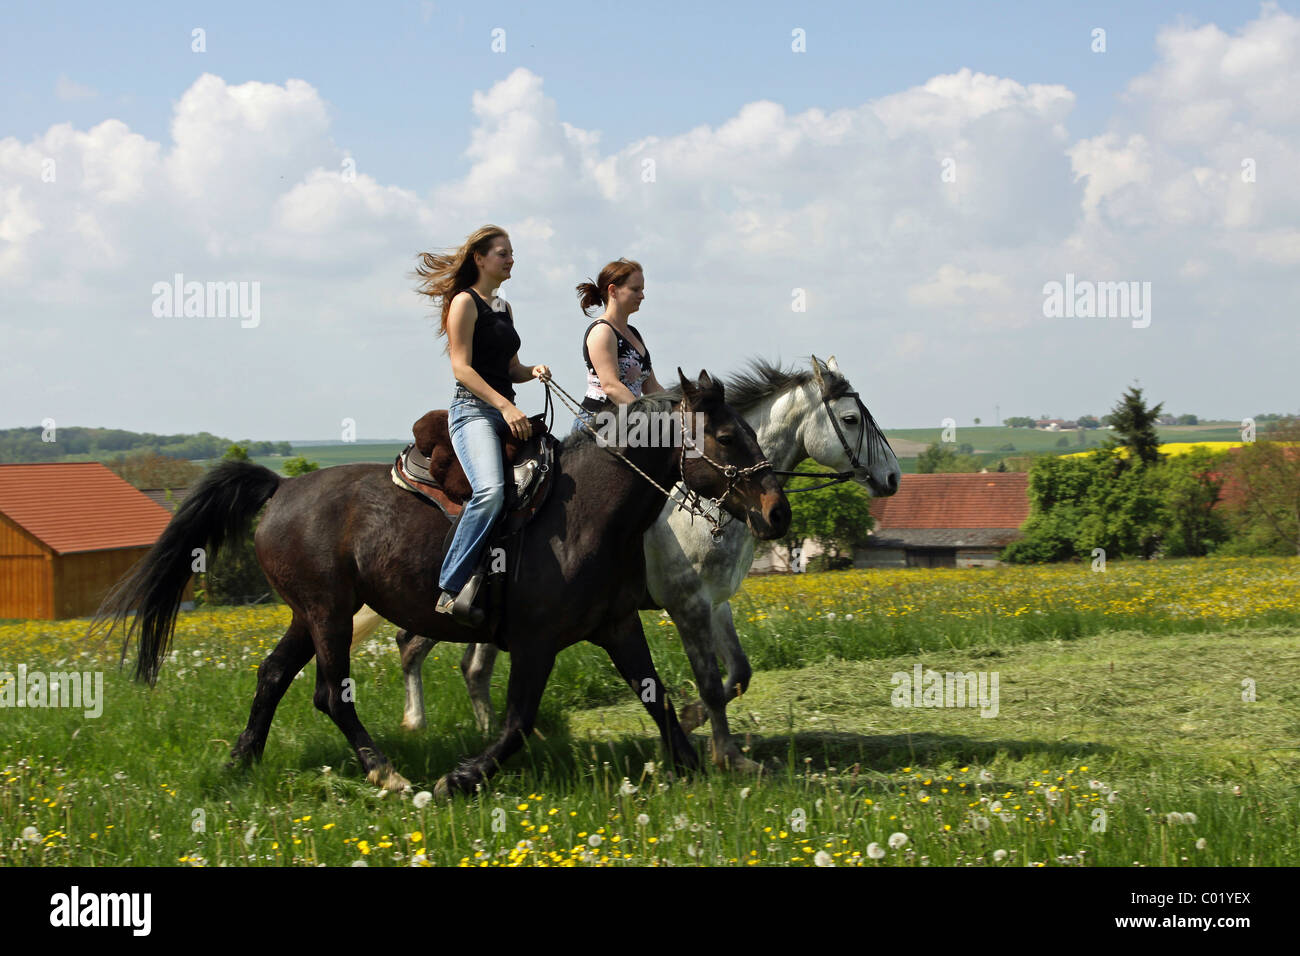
(1122, 737)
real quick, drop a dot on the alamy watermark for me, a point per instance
(637, 428)
(208, 300)
(53, 689)
(931, 688)
(1084, 299)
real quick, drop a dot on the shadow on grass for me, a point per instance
(563, 761)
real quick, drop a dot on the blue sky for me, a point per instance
(1113, 166)
(399, 76)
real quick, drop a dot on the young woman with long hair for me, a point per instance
(484, 350)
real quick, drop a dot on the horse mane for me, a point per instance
(656, 402)
(761, 380)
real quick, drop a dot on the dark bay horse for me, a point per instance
(335, 539)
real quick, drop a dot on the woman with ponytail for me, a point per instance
(484, 350)
(618, 363)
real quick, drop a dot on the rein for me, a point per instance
(691, 501)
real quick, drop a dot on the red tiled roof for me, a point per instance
(79, 506)
(995, 500)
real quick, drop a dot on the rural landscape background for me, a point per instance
(209, 218)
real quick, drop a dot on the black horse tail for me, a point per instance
(219, 509)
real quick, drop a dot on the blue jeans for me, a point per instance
(584, 414)
(477, 433)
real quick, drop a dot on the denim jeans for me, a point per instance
(477, 433)
(583, 414)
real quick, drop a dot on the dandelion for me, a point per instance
(649, 766)
(1112, 797)
(642, 819)
(999, 856)
(745, 792)
(823, 859)
(627, 788)
(360, 863)
(875, 851)
(249, 834)
(1173, 819)
(595, 840)
(419, 860)
(31, 835)
(897, 840)
(421, 799)
(1189, 818)
(1095, 784)
(1201, 844)
(980, 823)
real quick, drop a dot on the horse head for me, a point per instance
(847, 438)
(722, 460)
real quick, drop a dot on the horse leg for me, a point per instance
(530, 668)
(727, 643)
(274, 676)
(626, 646)
(694, 624)
(414, 648)
(336, 694)
(476, 666)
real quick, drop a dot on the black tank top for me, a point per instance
(495, 343)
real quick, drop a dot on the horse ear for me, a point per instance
(817, 374)
(689, 390)
(833, 365)
(704, 381)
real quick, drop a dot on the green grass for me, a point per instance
(1157, 718)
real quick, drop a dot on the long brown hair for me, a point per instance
(593, 294)
(443, 276)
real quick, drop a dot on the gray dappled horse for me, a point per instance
(797, 414)
(335, 539)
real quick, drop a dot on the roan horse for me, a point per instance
(798, 415)
(335, 539)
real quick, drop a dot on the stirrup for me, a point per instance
(464, 611)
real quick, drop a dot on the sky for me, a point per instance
(899, 186)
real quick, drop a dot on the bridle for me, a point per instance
(690, 500)
(873, 450)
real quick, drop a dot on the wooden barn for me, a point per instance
(68, 532)
(947, 521)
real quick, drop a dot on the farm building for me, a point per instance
(947, 521)
(68, 532)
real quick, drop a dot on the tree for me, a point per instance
(1088, 421)
(148, 469)
(1135, 425)
(1019, 422)
(837, 517)
(1265, 476)
(941, 459)
(299, 466)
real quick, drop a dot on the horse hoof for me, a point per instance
(693, 716)
(409, 724)
(736, 762)
(386, 778)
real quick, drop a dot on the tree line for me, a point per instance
(28, 444)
